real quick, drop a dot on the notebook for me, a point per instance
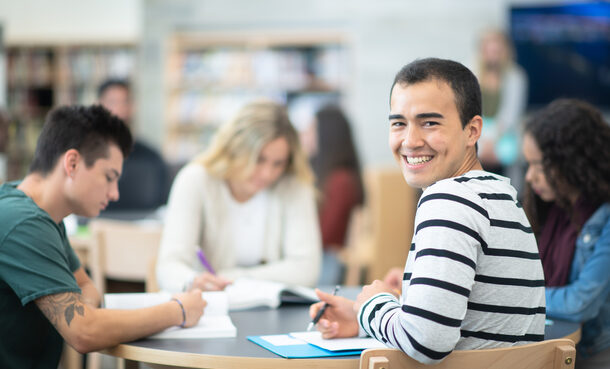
(290, 347)
(214, 323)
(248, 293)
(338, 344)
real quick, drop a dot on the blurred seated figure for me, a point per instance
(504, 96)
(568, 203)
(3, 145)
(330, 145)
(244, 208)
(144, 185)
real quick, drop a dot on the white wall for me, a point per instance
(50, 22)
(384, 35)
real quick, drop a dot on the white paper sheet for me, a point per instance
(214, 323)
(282, 340)
(338, 344)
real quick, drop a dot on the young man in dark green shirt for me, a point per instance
(45, 295)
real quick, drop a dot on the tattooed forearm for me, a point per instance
(61, 305)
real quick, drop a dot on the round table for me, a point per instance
(238, 352)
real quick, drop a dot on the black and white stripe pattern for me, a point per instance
(473, 278)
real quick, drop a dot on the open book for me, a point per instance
(248, 293)
(215, 321)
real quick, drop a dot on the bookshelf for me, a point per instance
(211, 75)
(42, 77)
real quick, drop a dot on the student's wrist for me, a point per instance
(368, 304)
(182, 314)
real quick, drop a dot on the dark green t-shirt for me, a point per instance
(36, 260)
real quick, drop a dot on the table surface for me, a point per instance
(238, 352)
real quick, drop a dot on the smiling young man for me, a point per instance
(46, 296)
(473, 278)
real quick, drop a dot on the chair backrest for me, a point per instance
(151, 284)
(125, 248)
(392, 204)
(551, 354)
(379, 234)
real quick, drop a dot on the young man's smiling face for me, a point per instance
(426, 134)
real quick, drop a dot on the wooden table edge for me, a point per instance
(193, 360)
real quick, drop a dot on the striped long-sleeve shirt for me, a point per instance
(473, 278)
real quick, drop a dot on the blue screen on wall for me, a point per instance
(565, 50)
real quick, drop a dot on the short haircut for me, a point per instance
(109, 83)
(462, 81)
(235, 149)
(90, 130)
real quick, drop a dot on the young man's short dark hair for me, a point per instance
(462, 81)
(90, 130)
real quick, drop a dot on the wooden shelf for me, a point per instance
(210, 75)
(40, 77)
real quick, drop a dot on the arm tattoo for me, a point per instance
(61, 304)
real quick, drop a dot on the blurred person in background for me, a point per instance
(329, 143)
(4, 122)
(504, 93)
(248, 203)
(567, 200)
(144, 185)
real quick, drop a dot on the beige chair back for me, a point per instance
(125, 249)
(380, 233)
(551, 354)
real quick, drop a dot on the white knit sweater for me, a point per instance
(197, 218)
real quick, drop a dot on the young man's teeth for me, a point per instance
(418, 160)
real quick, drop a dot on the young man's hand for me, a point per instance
(339, 319)
(193, 305)
(371, 290)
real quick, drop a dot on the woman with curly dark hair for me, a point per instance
(567, 147)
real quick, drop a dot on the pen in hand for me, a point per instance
(204, 261)
(321, 311)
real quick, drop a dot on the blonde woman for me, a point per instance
(248, 204)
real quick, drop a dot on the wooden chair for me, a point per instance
(124, 250)
(151, 276)
(551, 354)
(380, 233)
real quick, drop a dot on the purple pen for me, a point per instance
(205, 262)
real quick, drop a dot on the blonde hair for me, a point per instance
(237, 145)
(497, 35)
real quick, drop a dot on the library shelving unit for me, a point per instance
(40, 77)
(210, 75)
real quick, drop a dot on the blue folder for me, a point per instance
(301, 351)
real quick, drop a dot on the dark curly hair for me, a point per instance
(575, 145)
